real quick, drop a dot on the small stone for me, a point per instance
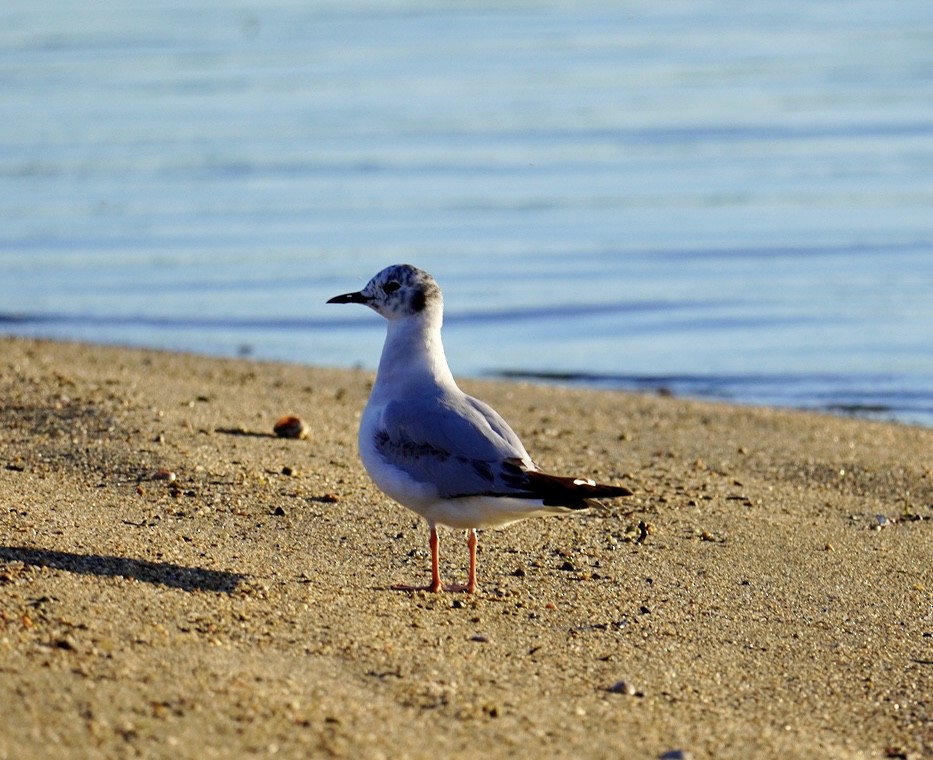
(279, 512)
(520, 572)
(291, 426)
(65, 643)
(645, 529)
(676, 754)
(290, 472)
(896, 752)
(622, 687)
(164, 474)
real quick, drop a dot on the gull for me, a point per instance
(437, 451)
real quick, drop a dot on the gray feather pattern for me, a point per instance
(420, 438)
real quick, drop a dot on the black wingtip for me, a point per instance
(612, 492)
(573, 493)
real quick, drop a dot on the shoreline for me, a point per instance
(880, 397)
(778, 602)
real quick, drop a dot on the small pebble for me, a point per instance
(65, 643)
(645, 529)
(622, 687)
(279, 512)
(163, 474)
(291, 427)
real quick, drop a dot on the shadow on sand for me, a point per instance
(161, 573)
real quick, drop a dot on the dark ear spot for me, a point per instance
(417, 300)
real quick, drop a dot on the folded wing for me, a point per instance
(470, 450)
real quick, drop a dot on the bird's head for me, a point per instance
(397, 292)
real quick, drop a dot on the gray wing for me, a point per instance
(460, 445)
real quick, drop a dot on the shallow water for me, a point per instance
(721, 200)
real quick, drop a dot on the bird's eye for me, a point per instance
(391, 287)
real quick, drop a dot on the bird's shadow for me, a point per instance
(158, 573)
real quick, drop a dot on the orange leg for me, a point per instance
(436, 584)
(471, 543)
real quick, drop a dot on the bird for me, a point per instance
(432, 448)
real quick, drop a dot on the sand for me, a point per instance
(176, 581)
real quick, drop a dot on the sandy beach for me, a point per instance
(176, 581)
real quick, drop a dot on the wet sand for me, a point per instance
(176, 581)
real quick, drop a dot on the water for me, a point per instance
(724, 200)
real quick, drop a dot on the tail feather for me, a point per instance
(573, 493)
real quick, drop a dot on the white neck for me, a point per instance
(413, 357)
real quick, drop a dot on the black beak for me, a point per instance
(357, 297)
